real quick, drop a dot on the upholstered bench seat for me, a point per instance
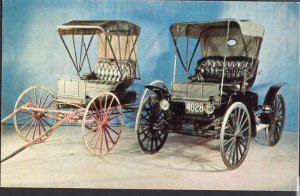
(209, 69)
(109, 71)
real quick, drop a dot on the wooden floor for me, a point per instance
(184, 162)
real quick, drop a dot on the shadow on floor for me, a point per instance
(180, 152)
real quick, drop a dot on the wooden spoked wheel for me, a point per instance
(33, 121)
(235, 135)
(102, 123)
(277, 119)
(150, 130)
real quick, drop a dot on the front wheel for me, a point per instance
(235, 135)
(276, 125)
(102, 123)
(150, 129)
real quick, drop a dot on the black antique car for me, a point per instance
(215, 99)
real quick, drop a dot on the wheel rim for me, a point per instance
(150, 132)
(235, 135)
(31, 124)
(102, 123)
(277, 120)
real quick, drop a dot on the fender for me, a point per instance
(160, 92)
(270, 96)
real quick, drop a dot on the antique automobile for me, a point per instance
(215, 98)
(96, 98)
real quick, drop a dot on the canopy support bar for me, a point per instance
(87, 56)
(133, 51)
(126, 46)
(177, 50)
(133, 46)
(74, 47)
(225, 56)
(187, 53)
(174, 69)
(119, 47)
(81, 44)
(192, 57)
(105, 47)
(245, 48)
(86, 51)
(138, 71)
(109, 43)
(135, 55)
(69, 53)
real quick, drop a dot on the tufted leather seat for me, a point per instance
(209, 69)
(108, 72)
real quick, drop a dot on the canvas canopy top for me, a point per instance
(84, 27)
(243, 37)
(195, 29)
(117, 40)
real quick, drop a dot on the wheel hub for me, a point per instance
(37, 115)
(103, 123)
(238, 134)
(160, 125)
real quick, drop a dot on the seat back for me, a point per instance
(209, 69)
(108, 71)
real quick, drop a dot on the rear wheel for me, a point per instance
(235, 135)
(277, 119)
(33, 122)
(150, 129)
(102, 123)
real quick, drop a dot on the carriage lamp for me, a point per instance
(209, 109)
(164, 104)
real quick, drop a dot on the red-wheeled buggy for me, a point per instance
(96, 98)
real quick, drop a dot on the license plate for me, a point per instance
(194, 107)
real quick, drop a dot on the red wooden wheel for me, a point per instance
(33, 122)
(102, 123)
